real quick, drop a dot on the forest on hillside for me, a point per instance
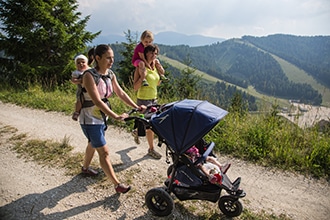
(247, 61)
(312, 54)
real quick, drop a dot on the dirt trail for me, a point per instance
(29, 191)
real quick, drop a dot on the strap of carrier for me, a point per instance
(106, 101)
(89, 103)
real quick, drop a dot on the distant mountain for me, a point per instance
(174, 38)
(108, 39)
(165, 38)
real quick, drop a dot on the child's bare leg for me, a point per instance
(213, 160)
(78, 106)
(143, 73)
(223, 168)
(203, 169)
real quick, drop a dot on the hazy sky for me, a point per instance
(214, 18)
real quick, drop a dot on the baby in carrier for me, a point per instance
(211, 168)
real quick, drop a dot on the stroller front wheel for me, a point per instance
(230, 206)
(159, 202)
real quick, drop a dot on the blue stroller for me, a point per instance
(181, 125)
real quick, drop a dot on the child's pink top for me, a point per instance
(138, 49)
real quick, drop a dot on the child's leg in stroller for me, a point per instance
(204, 169)
(212, 176)
(223, 168)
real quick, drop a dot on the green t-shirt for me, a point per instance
(149, 92)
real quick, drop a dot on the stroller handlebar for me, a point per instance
(143, 120)
(150, 110)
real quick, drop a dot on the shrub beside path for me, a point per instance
(32, 191)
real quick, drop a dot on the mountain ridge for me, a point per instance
(167, 38)
(275, 65)
(245, 62)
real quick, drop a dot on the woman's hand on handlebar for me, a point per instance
(122, 116)
(142, 108)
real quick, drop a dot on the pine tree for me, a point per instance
(40, 39)
(126, 67)
(186, 83)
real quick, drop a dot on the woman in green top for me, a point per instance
(147, 95)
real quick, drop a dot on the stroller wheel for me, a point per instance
(230, 206)
(159, 202)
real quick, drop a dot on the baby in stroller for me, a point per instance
(212, 168)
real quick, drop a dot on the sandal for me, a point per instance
(89, 171)
(120, 188)
(136, 136)
(154, 154)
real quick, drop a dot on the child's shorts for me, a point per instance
(136, 62)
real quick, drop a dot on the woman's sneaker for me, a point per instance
(120, 188)
(136, 136)
(154, 154)
(89, 171)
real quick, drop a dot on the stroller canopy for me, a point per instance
(186, 122)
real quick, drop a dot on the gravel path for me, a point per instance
(30, 191)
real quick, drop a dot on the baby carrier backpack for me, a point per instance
(89, 103)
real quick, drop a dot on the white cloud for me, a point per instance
(217, 18)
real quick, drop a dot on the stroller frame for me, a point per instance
(185, 180)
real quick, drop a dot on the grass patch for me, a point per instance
(270, 140)
(48, 153)
(44, 152)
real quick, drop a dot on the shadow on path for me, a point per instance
(126, 160)
(32, 205)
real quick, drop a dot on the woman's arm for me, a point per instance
(122, 94)
(89, 84)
